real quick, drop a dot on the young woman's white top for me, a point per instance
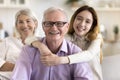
(90, 53)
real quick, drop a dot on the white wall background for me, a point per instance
(107, 18)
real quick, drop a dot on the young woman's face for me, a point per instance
(25, 25)
(82, 23)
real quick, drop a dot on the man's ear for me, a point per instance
(68, 24)
(42, 26)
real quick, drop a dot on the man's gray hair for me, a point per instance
(53, 9)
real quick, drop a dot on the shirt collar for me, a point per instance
(63, 47)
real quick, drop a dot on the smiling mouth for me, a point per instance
(80, 29)
(25, 30)
(53, 33)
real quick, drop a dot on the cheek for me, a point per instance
(74, 25)
(45, 30)
(63, 31)
(33, 27)
(18, 28)
(89, 27)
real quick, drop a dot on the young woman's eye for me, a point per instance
(87, 21)
(79, 18)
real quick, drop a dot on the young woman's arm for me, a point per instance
(88, 54)
(52, 59)
(35, 42)
(47, 57)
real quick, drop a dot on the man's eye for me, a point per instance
(59, 23)
(48, 23)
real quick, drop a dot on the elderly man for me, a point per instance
(29, 66)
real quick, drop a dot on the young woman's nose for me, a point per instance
(82, 23)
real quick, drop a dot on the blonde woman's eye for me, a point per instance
(20, 21)
(28, 21)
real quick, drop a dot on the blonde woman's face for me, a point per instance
(25, 25)
(82, 23)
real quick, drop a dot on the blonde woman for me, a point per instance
(26, 23)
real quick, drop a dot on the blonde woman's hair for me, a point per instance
(27, 12)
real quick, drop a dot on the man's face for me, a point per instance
(55, 26)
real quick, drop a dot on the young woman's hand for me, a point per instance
(52, 59)
(34, 41)
(41, 47)
(47, 57)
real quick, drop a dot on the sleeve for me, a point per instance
(88, 54)
(23, 69)
(3, 52)
(82, 71)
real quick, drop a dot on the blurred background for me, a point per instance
(109, 20)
